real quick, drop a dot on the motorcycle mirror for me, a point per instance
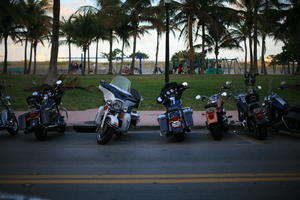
(7, 98)
(58, 82)
(224, 94)
(159, 99)
(34, 93)
(259, 87)
(185, 84)
(228, 82)
(198, 97)
(282, 85)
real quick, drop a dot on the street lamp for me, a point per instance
(167, 63)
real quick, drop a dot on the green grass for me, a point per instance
(149, 86)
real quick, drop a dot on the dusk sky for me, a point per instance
(146, 44)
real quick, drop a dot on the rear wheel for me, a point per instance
(216, 131)
(105, 134)
(13, 130)
(179, 137)
(40, 133)
(258, 131)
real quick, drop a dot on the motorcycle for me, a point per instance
(216, 119)
(177, 120)
(117, 115)
(45, 112)
(251, 113)
(280, 114)
(8, 118)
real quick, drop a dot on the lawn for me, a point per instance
(149, 86)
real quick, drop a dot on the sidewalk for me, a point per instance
(148, 118)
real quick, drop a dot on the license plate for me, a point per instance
(176, 124)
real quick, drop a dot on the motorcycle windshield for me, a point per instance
(121, 83)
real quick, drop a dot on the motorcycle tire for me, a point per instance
(62, 128)
(15, 128)
(216, 131)
(40, 133)
(258, 131)
(104, 135)
(179, 137)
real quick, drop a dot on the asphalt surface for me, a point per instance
(143, 165)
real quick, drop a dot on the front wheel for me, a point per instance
(40, 133)
(105, 134)
(14, 128)
(216, 131)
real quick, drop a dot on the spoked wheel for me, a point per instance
(258, 131)
(40, 133)
(13, 130)
(216, 131)
(105, 134)
(179, 137)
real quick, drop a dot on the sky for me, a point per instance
(146, 44)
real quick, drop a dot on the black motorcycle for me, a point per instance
(177, 120)
(45, 112)
(8, 120)
(217, 120)
(251, 114)
(280, 114)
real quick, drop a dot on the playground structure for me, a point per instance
(226, 65)
(104, 70)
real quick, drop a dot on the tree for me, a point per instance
(52, 71)
(138, 10)
(9, 23)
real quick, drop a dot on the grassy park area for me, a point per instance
(149, 86)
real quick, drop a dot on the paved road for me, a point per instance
(143, 165)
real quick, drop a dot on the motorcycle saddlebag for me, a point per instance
(188, 116)
(163, 123)
(22, 121)
(45, 117)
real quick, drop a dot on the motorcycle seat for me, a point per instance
(253, 105)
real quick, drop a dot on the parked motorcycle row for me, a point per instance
(121, 101)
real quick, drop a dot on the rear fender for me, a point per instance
(211, 120)
(261, 121)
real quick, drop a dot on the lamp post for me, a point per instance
(167, 63)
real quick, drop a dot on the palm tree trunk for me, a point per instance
(84, 62)
(255, 29)
(110, 52)
(52, 72)
(89, 66)
(25, 56)
(251, 53)
(203, 50)
(30, 59)
(34, 57)
(245, 65)
(5, 55)
(122, 55)
(131, 71)
(157, 49)
(191, 45)
(69, 65)
(263, 51)
(96, 63)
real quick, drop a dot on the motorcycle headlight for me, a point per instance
(117, 105)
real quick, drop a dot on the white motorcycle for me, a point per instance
(117, 115)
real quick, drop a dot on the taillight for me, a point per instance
(211, 115)
(259, 116)
(174, 119)
(105, 107)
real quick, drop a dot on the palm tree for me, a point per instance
(240, 33)
(85, 32)
(9, 23)
(123, 32)
(67, 30)
(110, 12)
(138, 10)
(52, 71)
